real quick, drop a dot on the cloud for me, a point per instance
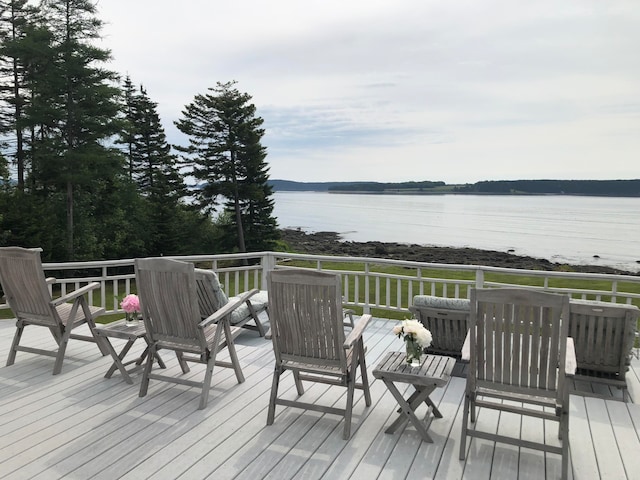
(420, 89)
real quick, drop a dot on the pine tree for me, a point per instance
(15, 18)
(73, 113)
(127, 133)
(226, 156)
(155, 171)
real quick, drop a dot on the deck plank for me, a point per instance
(583, 455)
(626, 435)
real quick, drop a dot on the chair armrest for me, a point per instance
(466, 348)
(227, 309)
(75, 294)
(50, 280)
(570, 362)
(357, 330)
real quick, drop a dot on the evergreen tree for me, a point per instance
(155, 171)
(226, 156)
(130, 120)
(15, 17)
(73, 113)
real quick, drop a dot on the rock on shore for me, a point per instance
(330, 243)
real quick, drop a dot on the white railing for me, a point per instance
(369, 283)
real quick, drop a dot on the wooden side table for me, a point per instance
(434, 371)
(119, 329)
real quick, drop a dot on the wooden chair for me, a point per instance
(169, 303)
(446, 318)
(603, 334)
(28, 295)
(211, 297)
(518, 351)
(309, 339)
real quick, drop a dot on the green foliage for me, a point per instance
(80, 198)
(227, 159)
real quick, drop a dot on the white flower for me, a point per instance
(413, 329)
(424, 337)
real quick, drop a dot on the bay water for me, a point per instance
(559, 228)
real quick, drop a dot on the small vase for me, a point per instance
(131, 319)
(414, 352)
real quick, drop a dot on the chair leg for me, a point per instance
(62, 348)
(259, 326)
(206, 384)
(256, 319)
(99, 340)
(565, 444)
(351, 386)
(144, 384)
(84, 305)
(232, 353)
(465, 419)
(16, 341)
(183, 364)
(298, 382)
(363, 374)
(274, 395)
(472, 409)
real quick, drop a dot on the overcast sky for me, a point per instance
(398, 90)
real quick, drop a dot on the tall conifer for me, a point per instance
(74, 112)
(226, 157)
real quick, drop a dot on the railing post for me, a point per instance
(367, 270)
(268, 262)
(479, 278)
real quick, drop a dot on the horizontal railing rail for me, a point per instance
(368, 283)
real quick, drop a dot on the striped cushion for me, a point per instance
(441, 302)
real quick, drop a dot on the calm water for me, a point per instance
(558, 228)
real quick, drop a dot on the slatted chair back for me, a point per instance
(169, 303)
(446, 318)
(604, 335)
(306, 318)
(518, 363)
(28, 295)
(25, 286)
(519, 340)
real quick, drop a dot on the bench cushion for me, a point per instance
(259, 301)
(441, 302)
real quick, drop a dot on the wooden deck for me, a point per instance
(79, 425)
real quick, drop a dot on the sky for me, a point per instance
(402, 90)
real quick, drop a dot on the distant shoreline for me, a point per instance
(330, 243)
(591, 188)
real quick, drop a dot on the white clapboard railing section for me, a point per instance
(369, 283)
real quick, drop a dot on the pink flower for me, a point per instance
(130, 303)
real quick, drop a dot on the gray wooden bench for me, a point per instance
(603, 334)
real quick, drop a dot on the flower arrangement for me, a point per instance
(131, 305)
(416, 338)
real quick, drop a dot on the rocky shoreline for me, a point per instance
(330, 243)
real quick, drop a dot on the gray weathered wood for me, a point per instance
(308, 337)
(434, 371)
(518, 349)
(448, 326)
(211, 298)
(75, 426)
(130, 333)
(170, 309)
(604, 335)
(27, 293)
